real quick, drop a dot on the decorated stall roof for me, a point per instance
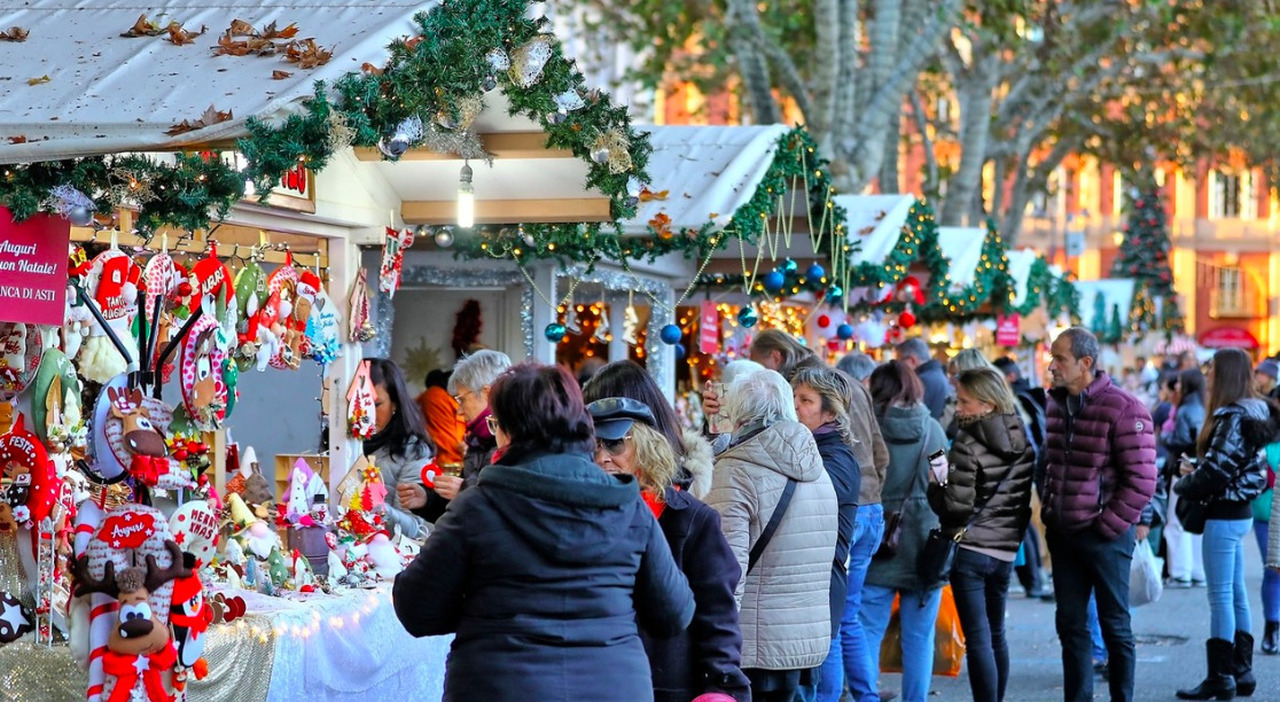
(963, 248)
(706, 173)
(874, 223)
(1021, 262)
(94, 83)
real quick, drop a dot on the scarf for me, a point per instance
(127, 668)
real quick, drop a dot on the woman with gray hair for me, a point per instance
(857, 364)
(469, 385)
(778, 511)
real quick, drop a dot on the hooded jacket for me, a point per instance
(1233, 470)
(698, 463)
(911, 435)
(1101, 460)
(544, 572)
(846, 478)
(986, 452)
(784, 607)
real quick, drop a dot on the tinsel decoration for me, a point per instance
(568, 101)
(529, 59)
(613, 144)
(341, 135)
(498, 60)
(463, 143)
(65, 199)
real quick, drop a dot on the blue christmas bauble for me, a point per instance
(815, 272)
(789, 266)
(844, 332)
(670, 334)
(681, 352)
(835, 292)
(747, 317)
(773, 281)
(555, 332)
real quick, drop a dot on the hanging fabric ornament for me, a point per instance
(113, 284)
(16, 620)
(529, 59)
(210, 277)
(747, 317)
(555, 332)
(602, 333)
(360, 404)
(160, 276)
(631, 325)
(20, 347)
(323, 329)
(128, 431)
(393, 260)
(286, 317)
(250, 296)
(30, 484)
(56, 415)
(572, 324)
(204, 391)
(359, 324)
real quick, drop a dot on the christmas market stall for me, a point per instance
(1104, 306)
(207, 169)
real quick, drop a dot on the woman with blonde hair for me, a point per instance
(983, 502)
(822, 398)
(707, 656)
(968, 359)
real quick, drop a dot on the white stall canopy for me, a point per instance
(1114, 291)
(874, 222)
(707, 173)
(1019, 269)
(963, 248)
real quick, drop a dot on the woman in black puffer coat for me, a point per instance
(983, 500)
(1231, 472)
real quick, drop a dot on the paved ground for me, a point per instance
(1170, 635)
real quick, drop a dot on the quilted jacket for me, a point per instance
(1233, 470)
(1101, 460)
(784, 611)
(869, 449)
(986, 452)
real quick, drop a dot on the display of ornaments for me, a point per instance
(789, 266)
(834, 293)
(907, 319)
(670, 334)
(15, 619)
(844, 332)
(773, 281)
(747, 317)
(816, 272)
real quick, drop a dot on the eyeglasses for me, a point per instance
(615, 447)
(491, 422)
(461, 396)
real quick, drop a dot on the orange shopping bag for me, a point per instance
(948, 639)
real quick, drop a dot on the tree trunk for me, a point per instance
(930, 186)
(826, 24)
(974, 88)
(744, 24)
(890, 182)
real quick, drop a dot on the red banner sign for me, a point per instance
(1009, 330)
(33, 268)
(1228, 338)
(709, 328)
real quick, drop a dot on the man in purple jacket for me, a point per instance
(1100, 474)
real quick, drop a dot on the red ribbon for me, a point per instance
(123, 667)
(148, 469)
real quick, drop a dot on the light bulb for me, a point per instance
(466, 199)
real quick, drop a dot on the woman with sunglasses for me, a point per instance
(547, 570)
(707, 657)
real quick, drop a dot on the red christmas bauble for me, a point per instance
(823, 321)
(834, 344)
(907, 319)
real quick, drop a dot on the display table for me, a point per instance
(346, 646)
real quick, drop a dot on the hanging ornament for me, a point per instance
(393, 260)
(833, 345)
(526, 237)
(529, 59)
(747, 317)
(844, 332)
(361, 404)
(557, 117)
(634, 186)
(489, 83)
(444, 237)
(555, 332)
(816, 272)
(823, 321)
(631, 325)
(773, 281)
(907, 319)
(72, 204)
(568, 101)
(834, 293)
(359, 325)
(408, 132)
(614, 143)
(670, 334)
(789, 266)
(681, 352)
(909, 290)
(572, 324)
(601, 333)
(600, 155)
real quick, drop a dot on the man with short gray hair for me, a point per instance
(914, 354)
(857, 365)
(1100, 474)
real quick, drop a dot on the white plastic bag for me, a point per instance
(1145, 583)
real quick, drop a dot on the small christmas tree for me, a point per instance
(1099, 323)
(1144, 256)
(1115, 331)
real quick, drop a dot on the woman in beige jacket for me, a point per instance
(785, 612)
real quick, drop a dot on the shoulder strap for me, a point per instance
(774, 520)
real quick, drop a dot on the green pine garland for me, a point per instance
(428, 77)
(795, 159)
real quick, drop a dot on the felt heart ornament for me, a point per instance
(15, 619)
(250, 297)
(20, 350)
(30, 483)
(282, 292)
(204, 389)
(161, 277)
(195, 529)
(124, 422)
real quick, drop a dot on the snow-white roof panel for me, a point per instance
(706, 171)
(1115, 291)
(107, 93)
(874, 222)
(963, 248)
(1019, 270)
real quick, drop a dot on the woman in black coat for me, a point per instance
(706, 657)
(549, 568)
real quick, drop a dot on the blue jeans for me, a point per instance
(919, 616)
(980, 584)
(1099, 647)
(1086, 564)
(850, 658)
(1224, 576)
(1270, 578)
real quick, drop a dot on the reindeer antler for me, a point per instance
(86, 583)
(157, 577)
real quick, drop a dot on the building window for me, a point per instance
(1224, 195)
(1234, 292)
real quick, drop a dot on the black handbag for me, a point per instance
(1192, 514)
(939, 550)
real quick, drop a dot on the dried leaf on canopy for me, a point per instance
(210, 117)
(18, 139)
(178, 36)
(280, 75)
(307, 54)
(14, 33)
(143, 28)
(38, 80)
